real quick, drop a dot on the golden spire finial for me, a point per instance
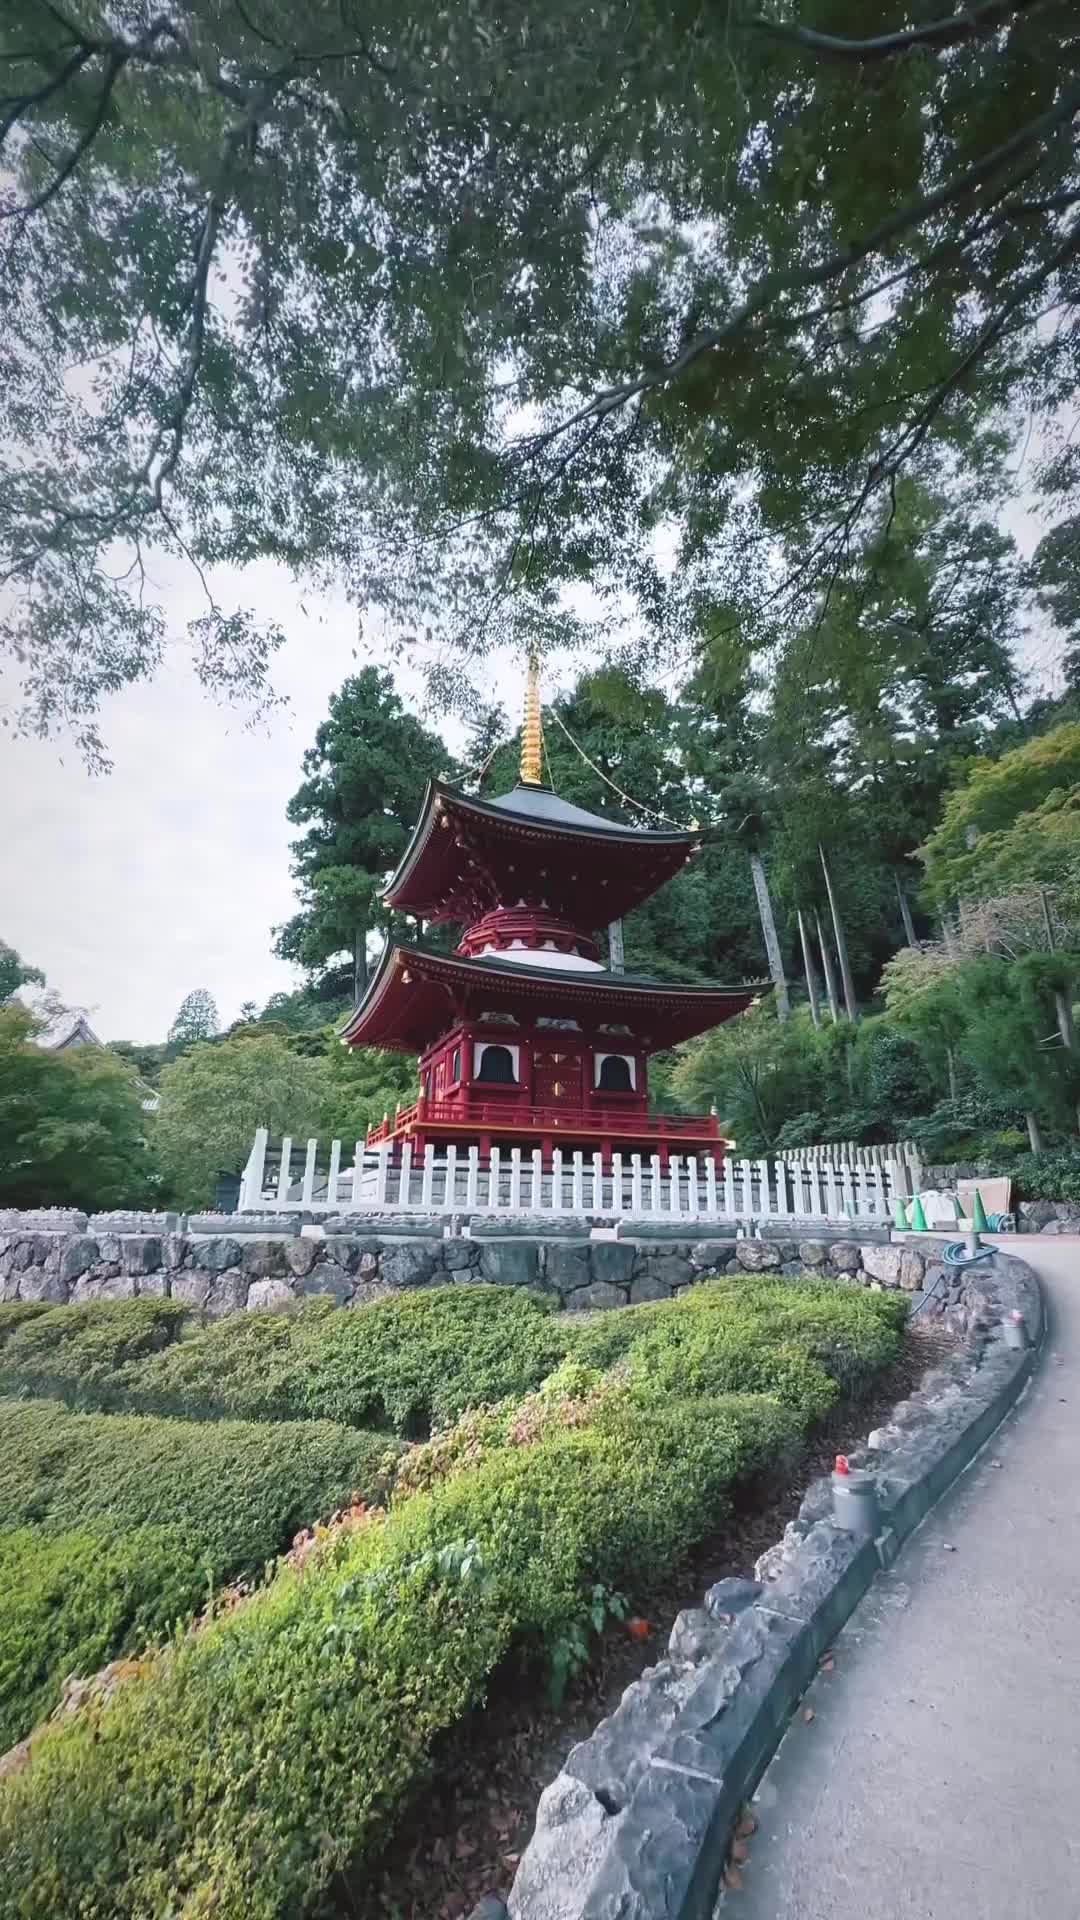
(532, 733)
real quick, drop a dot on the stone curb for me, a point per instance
(660, 1855)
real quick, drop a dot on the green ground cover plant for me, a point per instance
(77, 1353)
(416, 1361)
(114, 1527)
(241, 1768)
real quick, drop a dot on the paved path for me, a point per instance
(940, 1776)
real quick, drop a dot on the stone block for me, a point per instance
(726, 1598)
(153, 1286)
(648, 1287)
(326, 1278)
(671, 1269)
(599, 1294)
(301, 1254)
(343, 1250)
(708, 1255)
(813, 1253)
(509, 1263)
(756, 1256)
(883, 1263)
(530, 1226)
(140, 1252)
(191, 1286)
(612, 1261)
(78, 1255)
(105, 1286)
(566, 1268)
(268, 1296)
(821, 1580)
(216, 1255)
(35, 1283)
(572, 1834)
(661, 1851)
(264, 1259)
(912, 1269)
(614, 1757)
(367, 1266)
(458, 1256)
(696, 1636)
(228, 1293)
(173, 1248)
(845, 1256)
(405, 1265)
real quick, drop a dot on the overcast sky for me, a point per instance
(132, 888)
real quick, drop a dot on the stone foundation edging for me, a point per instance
(227, 1270)
(638, 1823)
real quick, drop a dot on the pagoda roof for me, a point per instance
(469, 854)
(416, 994)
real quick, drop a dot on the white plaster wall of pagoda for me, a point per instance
(544, 957)
(598, 1066)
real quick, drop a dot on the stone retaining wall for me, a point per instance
(221, 1273)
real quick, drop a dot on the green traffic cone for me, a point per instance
(918, 1217)
(900, 1219)
(978, 1215)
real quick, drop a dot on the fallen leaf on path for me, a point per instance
(747, 1825)
(827, 1666)
(733, 1879)
(740, 1852)
(947, 1546)
(809, 1714)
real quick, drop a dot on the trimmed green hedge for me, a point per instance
(238, 1490)
(77, 1354)
(421, 1358)
(125, 1523)
(254, 1761)
(74, 1601)
(14, 1313)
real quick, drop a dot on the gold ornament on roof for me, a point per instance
(532, 733)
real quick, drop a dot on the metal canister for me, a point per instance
(854, 1500)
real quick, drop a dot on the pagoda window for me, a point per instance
(455, 1071)
(496, 1065)
(615, 1073)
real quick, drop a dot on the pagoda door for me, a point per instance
(557, 1080)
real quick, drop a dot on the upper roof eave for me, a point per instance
(588, 827)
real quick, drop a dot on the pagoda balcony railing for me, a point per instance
(551, 1120)
(454, 1183)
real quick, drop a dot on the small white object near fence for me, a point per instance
(287, 1179)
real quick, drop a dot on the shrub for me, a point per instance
(134, 1519)
(401, 1362)
(249, 1764)
(236, 1491)
(13, 1313)
(75, 1600)
(76, 1353)
(1047, 1176)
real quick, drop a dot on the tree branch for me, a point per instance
(971, 24)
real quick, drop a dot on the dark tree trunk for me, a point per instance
(841, 942)
(360, 966)
(772, 943)
(808, 969)
(1034, 1134)
(827, 968)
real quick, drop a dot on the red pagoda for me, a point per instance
(524, 1037)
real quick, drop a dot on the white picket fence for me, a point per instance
(847, 1153)
(449, 1180)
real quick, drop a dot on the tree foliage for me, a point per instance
(197, 1019)
(364, 782)
(15, 973)
(72, 1124)
(463, 306)
(214, 1097)
(1013, 821)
